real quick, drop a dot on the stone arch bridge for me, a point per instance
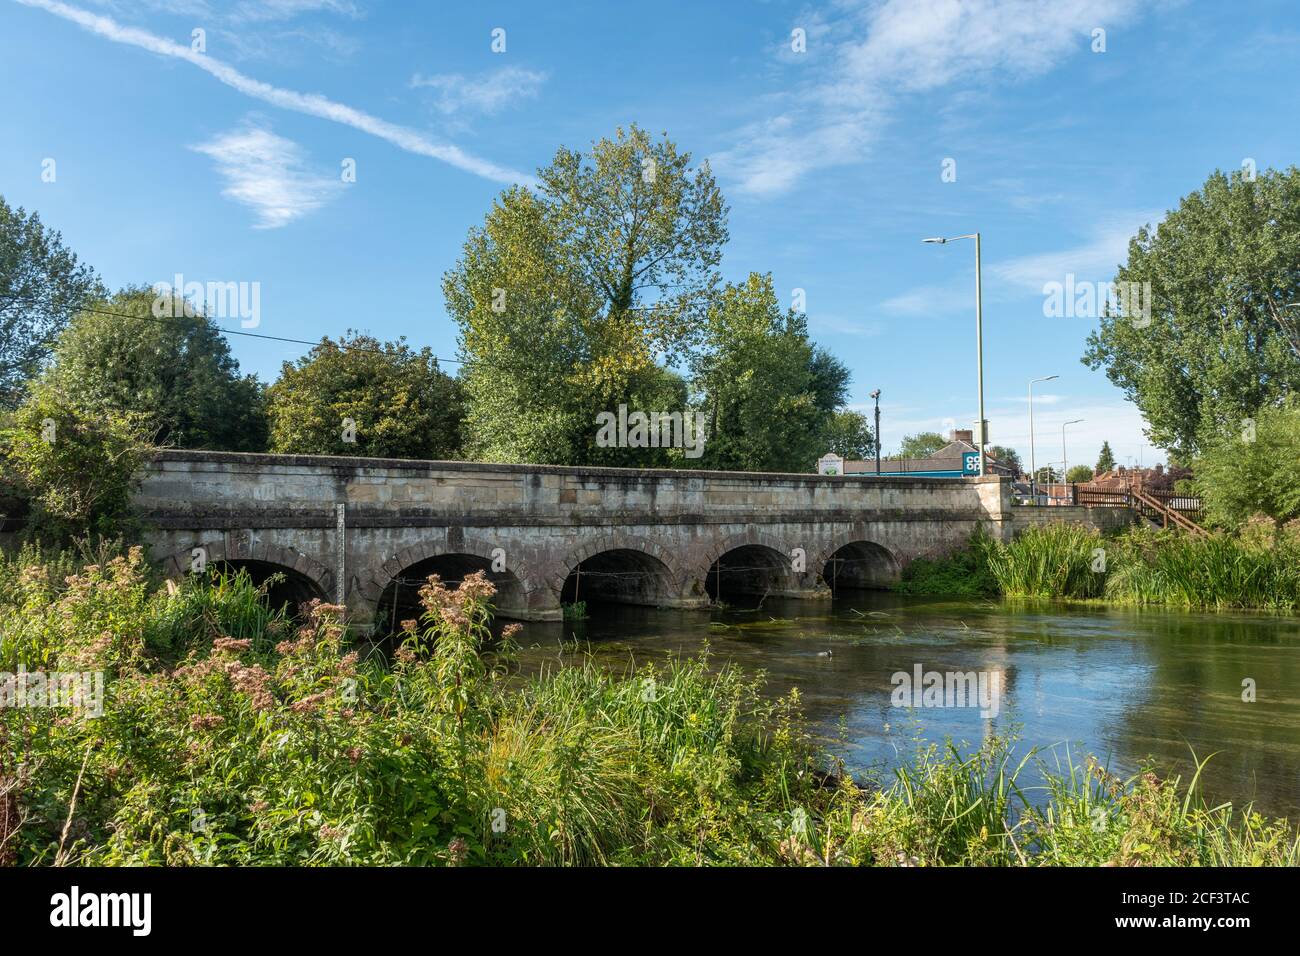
(365, 532)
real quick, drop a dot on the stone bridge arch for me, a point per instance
(865, 560)
(769, 569)
(670, 580)
(244, 551)
(512, 599)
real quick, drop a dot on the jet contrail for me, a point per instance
(313, 104)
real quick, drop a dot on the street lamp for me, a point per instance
(982, 437)
(876, 396)
(1033, 472)
(1065, 459)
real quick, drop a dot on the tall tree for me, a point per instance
(177, 372)
(1105, 460)
(42, 285)
(568, 297)
(921, 445)
(848, 434)
(761, 383)
(1219, 342)
(1006, 456)
(360, 396)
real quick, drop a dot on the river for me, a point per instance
(1122, 684)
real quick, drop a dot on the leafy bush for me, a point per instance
(74, 466)
(963, 573)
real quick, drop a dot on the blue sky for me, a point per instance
(225, 165)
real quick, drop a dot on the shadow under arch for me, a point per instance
(400, 599)
(620, 576)
(285, 586)
(861, 564)
(750, 570)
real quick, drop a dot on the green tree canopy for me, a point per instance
(568, 297)
(1220, 342)
(1079, 473)
(73, 465)
(921, 445)
(848, 434)
(178, 372)
(360, 396)
(1252, 471)
(1006, 456)
(762, 384)
(42, 285)
(1105, 460)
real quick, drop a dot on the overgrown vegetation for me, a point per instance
(964, 573)
(231, 735)
(1252, 569)
(1257, 567)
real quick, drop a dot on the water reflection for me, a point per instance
(1121, 684)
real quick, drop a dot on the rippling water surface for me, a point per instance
(1121, 684)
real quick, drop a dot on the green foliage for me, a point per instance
(178, 373)
(401, 403)
(1054, 560)
(1219, 344)
(1079, 474)
(567, 298)
(229, 738)
(758, 384)
(1106, 459)
(1143, 566)
(921, 445)
(1252, 468)
(848, 434)
(1006, 456)
(41, 286)
(963, 573)
(74, 466)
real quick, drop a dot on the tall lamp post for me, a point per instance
(1033, 469)
(876, 396)
(1065, 459)
(979, 339)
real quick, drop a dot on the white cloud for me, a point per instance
(894, 48)
(1094, 260)
(263, 10)
(265, 172)
(930, 300)
(312, 104)
(487, 94)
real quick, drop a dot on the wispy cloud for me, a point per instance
(892, 49)
(485, 94)
(312, 104)
(266, 172)
(265, 10)
(1093, 260)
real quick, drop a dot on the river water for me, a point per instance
(1124, 685)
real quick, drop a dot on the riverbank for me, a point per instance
(229, 735)
(1255, 569)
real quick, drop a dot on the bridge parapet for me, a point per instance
(677, 527)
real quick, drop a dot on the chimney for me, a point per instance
(962, 434)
